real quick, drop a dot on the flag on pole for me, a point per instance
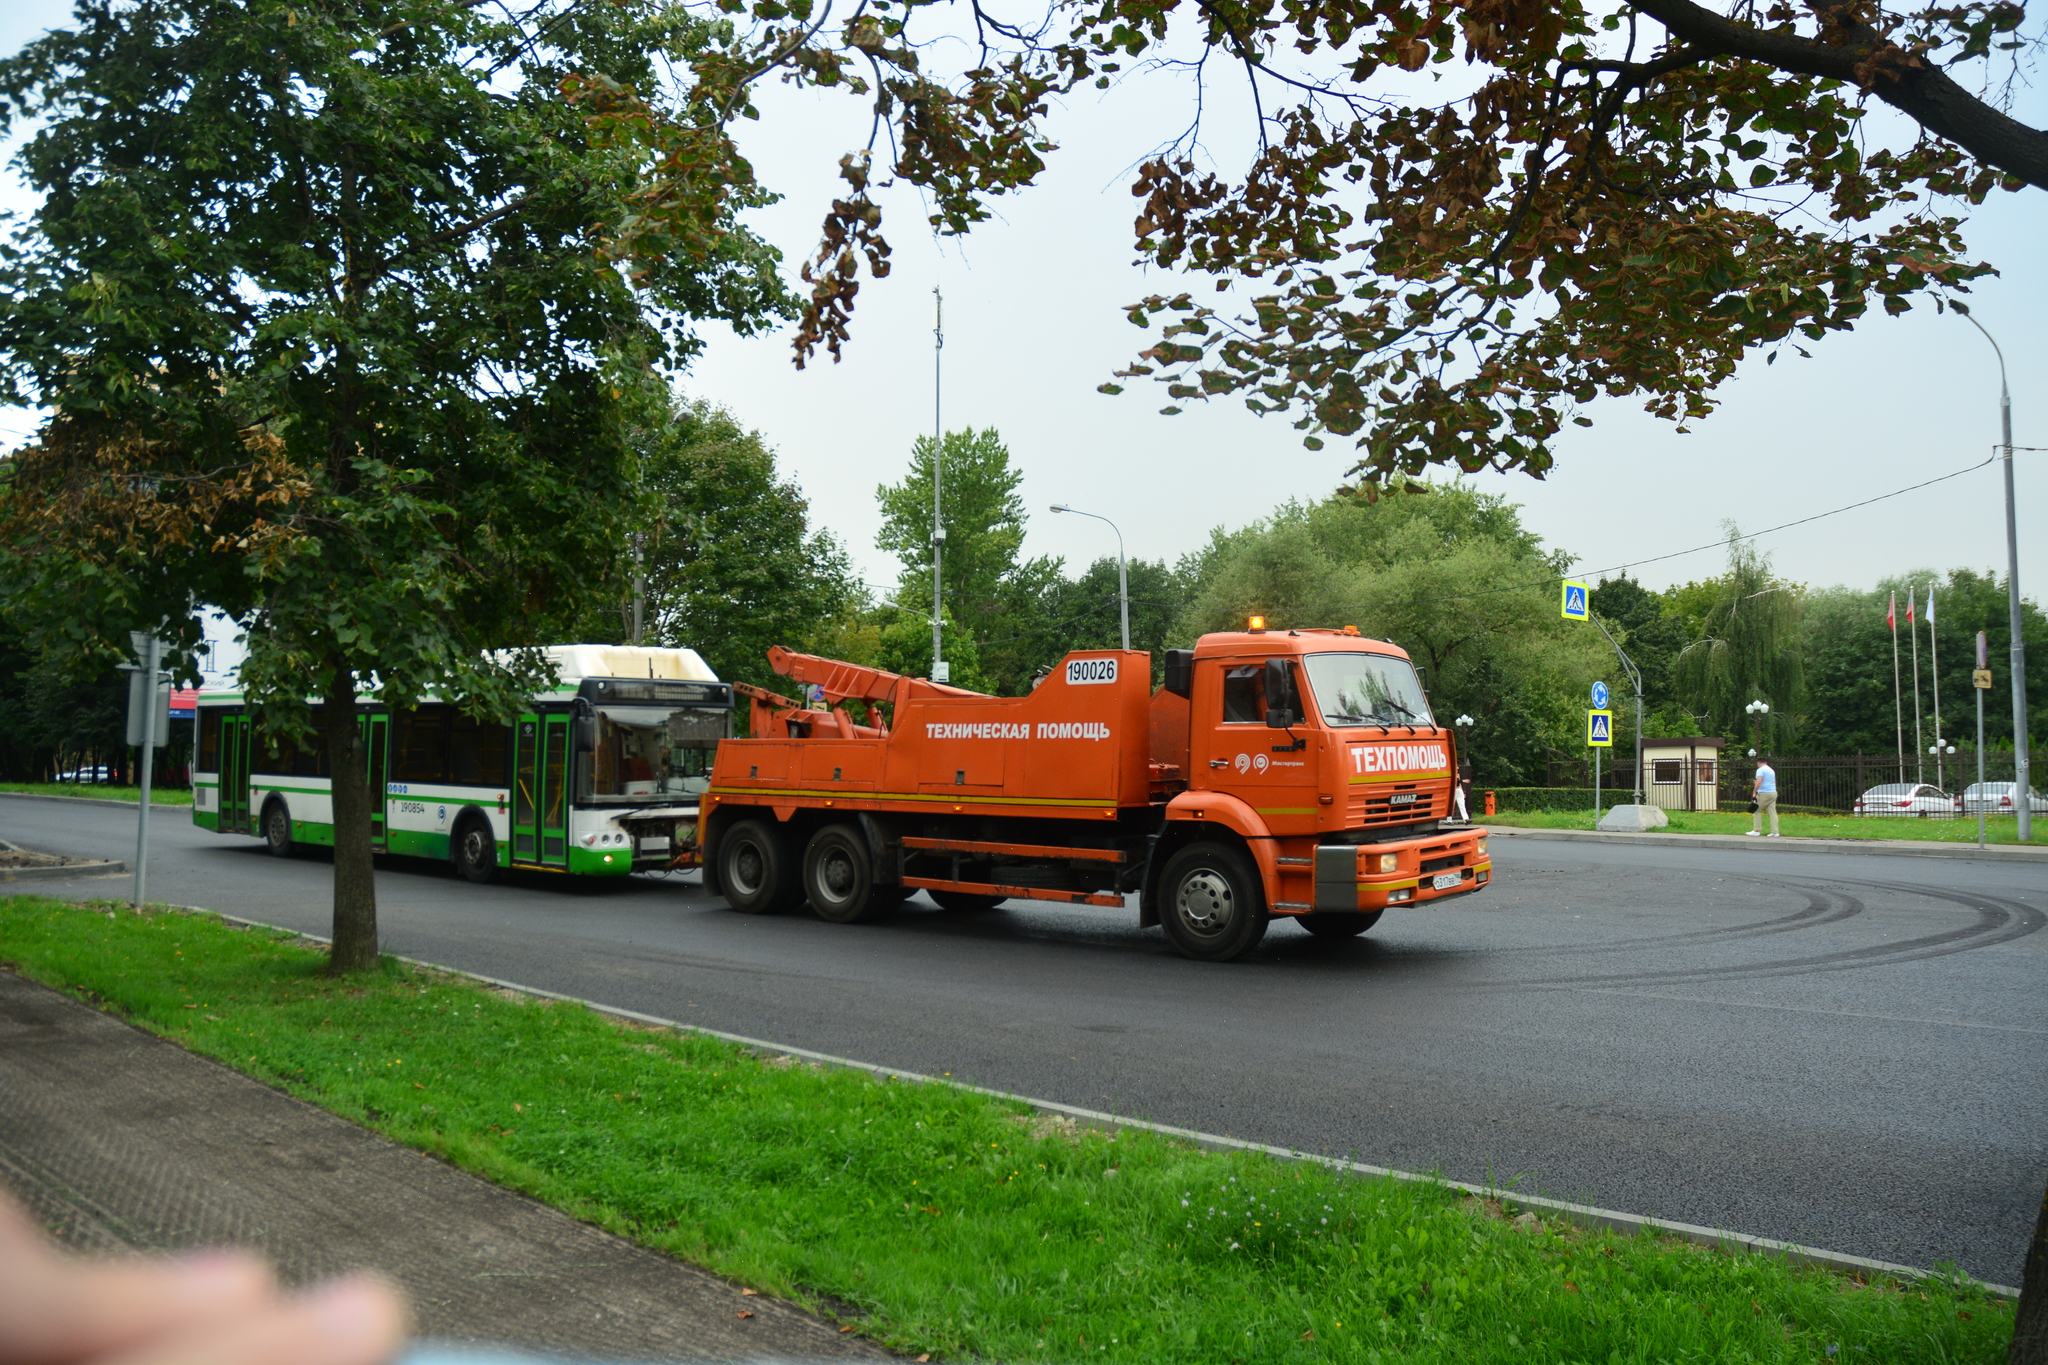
(1909, 606)
(1930, 604)
(1891, 613)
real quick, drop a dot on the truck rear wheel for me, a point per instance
(1213, 907)
(1338, 923)
(839, 877)
(755, 869)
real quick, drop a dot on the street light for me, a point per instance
(1123, 583)
(1758, 708)
(2012, 597)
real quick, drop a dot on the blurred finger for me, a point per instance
(356, 1321)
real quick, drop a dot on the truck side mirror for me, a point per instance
(1282, 705)
(1180, 673)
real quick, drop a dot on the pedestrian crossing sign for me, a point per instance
(1574, 601)
(1600, 729)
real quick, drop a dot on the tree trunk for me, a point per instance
(355, 871)
(2030, 1322)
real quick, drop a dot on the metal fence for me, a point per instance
(1828, 784)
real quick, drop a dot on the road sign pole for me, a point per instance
(152, 659)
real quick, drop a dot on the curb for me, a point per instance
(97, 800)
(1584, 1214)
(1792, 844)
(40, 874)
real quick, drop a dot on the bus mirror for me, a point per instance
(585, 737)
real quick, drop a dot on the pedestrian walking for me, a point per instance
(1764, 797)
(1462, 791)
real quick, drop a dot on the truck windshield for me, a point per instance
(1355, 688)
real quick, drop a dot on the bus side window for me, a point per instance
(311, 758)
(420, 745)
(476, 752)
(209, 740)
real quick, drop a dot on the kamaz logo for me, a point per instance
(1090, 671)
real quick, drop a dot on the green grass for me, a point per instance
(1997, 829)
(158, 796)
(945, 1222)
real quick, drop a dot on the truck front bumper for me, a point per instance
(1352, 877)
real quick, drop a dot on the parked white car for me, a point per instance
(1923, 799)
(2000, 798)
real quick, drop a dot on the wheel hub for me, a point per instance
(835, 870)
(1204, 902)
(747, 870)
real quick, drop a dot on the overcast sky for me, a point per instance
(1034, 321)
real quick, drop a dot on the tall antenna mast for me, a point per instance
(940, 673)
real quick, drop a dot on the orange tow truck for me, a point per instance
(1275, 773)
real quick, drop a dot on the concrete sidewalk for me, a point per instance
(1874, 848)
(120, 1141)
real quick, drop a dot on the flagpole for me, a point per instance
(1934, 672)
(1891, 618)
(1919, 743)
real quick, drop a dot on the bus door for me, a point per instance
(540, 828)
(376, 742)
(234, 773)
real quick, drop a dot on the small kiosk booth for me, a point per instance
(1684, 774)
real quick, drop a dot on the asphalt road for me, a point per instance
(1846, 1052)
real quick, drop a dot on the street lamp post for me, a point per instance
(1759, 709)
(1123, 582)
(2012, 601)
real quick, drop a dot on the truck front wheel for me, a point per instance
(755, 869)
(1214, 908)
(839, 877)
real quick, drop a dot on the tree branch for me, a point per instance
(1922, 92)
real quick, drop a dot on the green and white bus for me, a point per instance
(599, 776)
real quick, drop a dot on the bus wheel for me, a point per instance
(839, 877)
(965, 902)
(277, 829)
(755, 870)
(1214, 908)
(476, 853)
(1338, 924)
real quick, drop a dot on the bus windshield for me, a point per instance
(1355, 688)
(653, 753)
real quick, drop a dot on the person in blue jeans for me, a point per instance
(1766, 792)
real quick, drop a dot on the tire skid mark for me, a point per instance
(1998, 920)
(1817, 911)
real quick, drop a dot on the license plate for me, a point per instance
(654, 845)
(1444, 881)
(1401, 799)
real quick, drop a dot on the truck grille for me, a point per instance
(1375, 808)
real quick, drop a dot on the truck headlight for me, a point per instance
(1390, 862)
(1482, 844)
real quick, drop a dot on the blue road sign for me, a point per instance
(1600, 696)
(1600, 729)
(1574, 601)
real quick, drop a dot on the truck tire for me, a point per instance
(1212, 905)
(839, 877)
(755, 870)
(964, 902)
(1338, 923)
(277, 828)
(475, 852)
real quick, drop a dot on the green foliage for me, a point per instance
(1850, 700)
(312, 296)
(1448, 574)
(733, 563)
(1748, 649)
(940, 1221)
(1083, 613)
(988, 590)
(904, 645)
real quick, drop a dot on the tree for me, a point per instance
(312, 296)
(733, 563)
(988, 589)
(1449, 575)
(1748, 650)
(1653, 639)
(1084, 613)
(1620, 200)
